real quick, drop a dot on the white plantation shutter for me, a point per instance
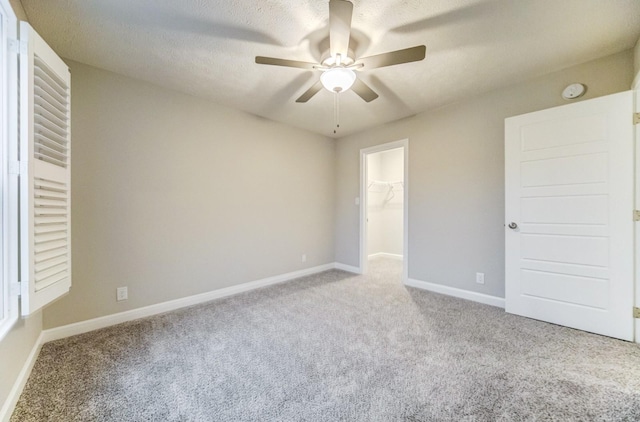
(45, 226)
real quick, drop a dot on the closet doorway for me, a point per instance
(384, 202)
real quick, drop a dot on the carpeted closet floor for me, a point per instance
(335, 346)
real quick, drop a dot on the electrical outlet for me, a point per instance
(122, 293)
(304, 257)
(480, 278)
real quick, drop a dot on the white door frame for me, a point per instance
(404, 144)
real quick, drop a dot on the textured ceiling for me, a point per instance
(207, 48)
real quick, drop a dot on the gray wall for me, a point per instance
(14, 351)
(456, 175)
(175, 196)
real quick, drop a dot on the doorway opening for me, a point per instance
(384, 191)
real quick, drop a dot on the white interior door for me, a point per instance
(569, 189)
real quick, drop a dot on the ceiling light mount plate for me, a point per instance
(574, 91)
(330, 61)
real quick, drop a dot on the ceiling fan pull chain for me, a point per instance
(336, 110)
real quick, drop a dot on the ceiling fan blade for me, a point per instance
(413, 54)
(315, 88)
(363, 90)
(283, 62)
(340, 12)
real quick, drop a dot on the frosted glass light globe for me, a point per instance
(338, 79)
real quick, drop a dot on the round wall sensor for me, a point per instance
(574, 91)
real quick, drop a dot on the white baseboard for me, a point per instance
(159, 308)
(453, 291)
(348, 268)
(12, 399)
(386, 255)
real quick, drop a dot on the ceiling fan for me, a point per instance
(338, 67)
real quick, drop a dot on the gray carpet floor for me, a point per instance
(335, 347)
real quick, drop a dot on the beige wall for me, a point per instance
(175, 196)
(456, 175)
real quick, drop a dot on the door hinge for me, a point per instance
(14, 45)
(636, 215)
(17, 46)
(18, 167)
(636, 312)
(15, 289)
(14, 167)
(636, 118)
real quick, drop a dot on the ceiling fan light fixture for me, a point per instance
(338, 79)
(338, 62)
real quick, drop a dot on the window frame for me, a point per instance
(9, 170)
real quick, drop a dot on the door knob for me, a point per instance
(513, 226)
